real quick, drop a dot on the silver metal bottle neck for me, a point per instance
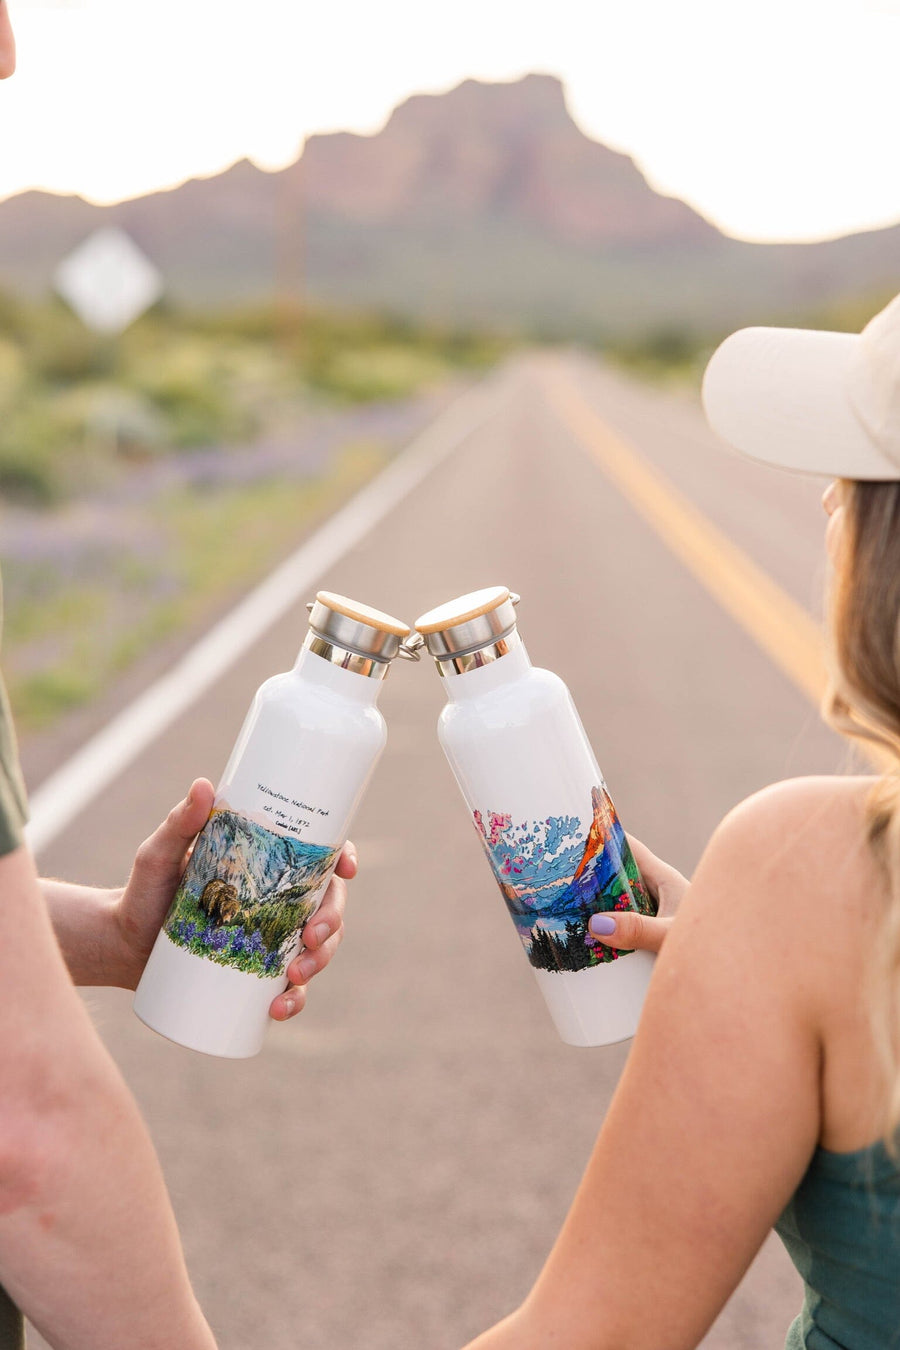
(462, 662)
(346, 659)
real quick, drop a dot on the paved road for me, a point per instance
(391, 1171)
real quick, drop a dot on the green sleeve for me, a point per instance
(13, 804)
(12, 1328)
(12, 1325)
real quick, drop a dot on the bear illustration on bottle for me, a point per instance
(219, 899)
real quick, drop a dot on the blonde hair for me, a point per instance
(863, 701)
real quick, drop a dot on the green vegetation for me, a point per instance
(670, 355)
(67, 638)
(677, 356)
(850, 314)
(74, 406)
(148, 481)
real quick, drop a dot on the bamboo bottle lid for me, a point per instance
(462, 610)
(352, 609)
(357, 628)
(468, 623)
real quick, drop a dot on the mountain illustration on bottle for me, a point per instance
(554, 877)
(602, 862)
(247, 892)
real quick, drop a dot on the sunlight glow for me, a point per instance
(775, 118)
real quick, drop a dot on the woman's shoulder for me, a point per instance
(801, 847)
(803, 812)
(789, 888)
(821, 794)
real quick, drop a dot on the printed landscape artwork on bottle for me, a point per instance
(555, 873)
(247, 893)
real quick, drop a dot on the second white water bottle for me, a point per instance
(281, 815)
(520, 755)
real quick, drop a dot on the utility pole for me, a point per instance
(290, 259)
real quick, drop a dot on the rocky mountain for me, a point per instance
(507, 153)
(599, 877)
(257, 862)
(484, 205)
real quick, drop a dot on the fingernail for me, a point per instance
(290, 1006)
(322, 931)
(353, 854)
(189, 799)
(602, 924)
(306, 967)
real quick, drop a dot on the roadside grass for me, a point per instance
(671, 357)
(217, 537)
(75, 408)
(39, 699)
(675, 355)
(393, 371)
(145, 480)
(65, 642)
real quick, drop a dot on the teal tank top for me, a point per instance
(842, 1232)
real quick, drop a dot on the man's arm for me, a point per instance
(84, 923)
(88, 1243)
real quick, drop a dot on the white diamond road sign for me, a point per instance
(108, 281)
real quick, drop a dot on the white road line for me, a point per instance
(66, 793)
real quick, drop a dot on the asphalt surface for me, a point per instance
(391, 1171)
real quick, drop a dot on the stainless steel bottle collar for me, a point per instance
(467, 646)
(351, 644)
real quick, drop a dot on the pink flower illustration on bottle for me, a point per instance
(498, 824)
(511, 866)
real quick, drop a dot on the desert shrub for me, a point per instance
(190, 385)
(362, 375)
(13, 315)
(670, 353)
(12, 374)
(47, 693)
(32, 470)
(196, 413)
(60, 350)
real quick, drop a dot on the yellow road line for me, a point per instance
(782, 628)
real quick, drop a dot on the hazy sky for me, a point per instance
(775, 118)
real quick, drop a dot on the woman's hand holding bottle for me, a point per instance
(638, 932)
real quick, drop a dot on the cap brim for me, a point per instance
(780, 396)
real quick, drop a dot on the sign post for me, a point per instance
(109, 283)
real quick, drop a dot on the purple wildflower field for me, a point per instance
(92, 582)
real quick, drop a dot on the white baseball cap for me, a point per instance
(817, 402)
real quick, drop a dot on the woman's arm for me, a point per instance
(718, 1110)
(88, 1244)
(106, 935)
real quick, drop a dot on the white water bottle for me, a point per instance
(281, 815)
(526, 769)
